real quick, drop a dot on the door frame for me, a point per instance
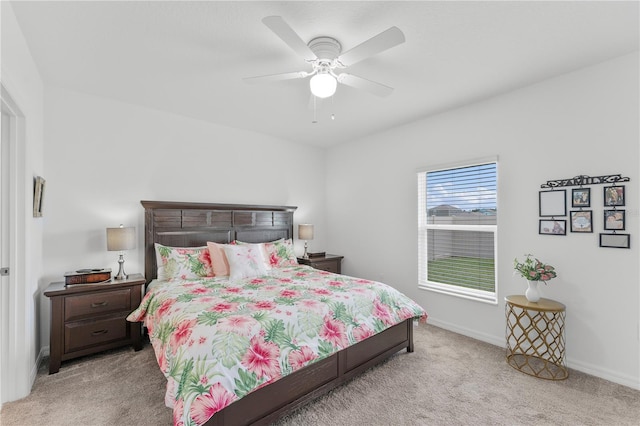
(15, 362)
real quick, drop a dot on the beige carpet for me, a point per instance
(448, 380)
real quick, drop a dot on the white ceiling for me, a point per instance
(189, 58)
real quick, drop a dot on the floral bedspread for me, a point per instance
(217, 340)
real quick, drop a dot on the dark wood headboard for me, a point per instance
(179, 224)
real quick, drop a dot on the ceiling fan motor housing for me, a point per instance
(325, 48)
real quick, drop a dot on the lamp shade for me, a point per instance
(305, 231)
(323, 85)
(121, 238)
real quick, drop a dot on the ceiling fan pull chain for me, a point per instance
(315, 120)
(333, 116)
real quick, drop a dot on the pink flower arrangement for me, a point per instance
(532, 269)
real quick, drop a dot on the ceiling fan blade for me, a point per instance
(364, 84)
(376, 44)
(290, 37)
(276, 77)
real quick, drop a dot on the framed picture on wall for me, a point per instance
(553, 203)
(581, 221)
(38, 195)
(615, 240)
(614, 195)
(614, 220)
(553, 227)
(581, 197)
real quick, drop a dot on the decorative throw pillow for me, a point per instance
(245, 260)
(277, 253)
(261, 245)
(218, 259)
(183, 262)
(280, 253)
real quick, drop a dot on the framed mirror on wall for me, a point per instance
(553, 203)
(615, 240)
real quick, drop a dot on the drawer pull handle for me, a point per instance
(98, 305)
(99, 332)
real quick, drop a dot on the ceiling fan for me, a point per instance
(326, 58)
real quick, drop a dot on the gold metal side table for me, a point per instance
(535, 337)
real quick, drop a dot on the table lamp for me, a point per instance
(120, 239)
(305, 232)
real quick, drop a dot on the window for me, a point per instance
(457, 229)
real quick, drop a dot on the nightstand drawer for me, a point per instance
(330, 263)
(80, 335)
(327, 266)
(90, 305)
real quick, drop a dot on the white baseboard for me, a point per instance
(496, 341)
(612, 376)
(44, 352)
(586, 368)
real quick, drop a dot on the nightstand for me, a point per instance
(329, 263)
(90, 318)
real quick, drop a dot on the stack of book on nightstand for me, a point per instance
(88, 276)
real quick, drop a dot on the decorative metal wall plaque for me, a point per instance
(585, 180)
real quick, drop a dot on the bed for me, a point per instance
(263, 391)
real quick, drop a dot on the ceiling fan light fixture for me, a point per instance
(323, 85)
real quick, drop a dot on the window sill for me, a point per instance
(464, 293)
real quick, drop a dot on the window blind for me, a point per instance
(457, 229)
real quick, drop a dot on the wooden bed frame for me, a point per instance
(180, 224)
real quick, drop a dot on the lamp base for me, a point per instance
(121, 275)
(305, 255)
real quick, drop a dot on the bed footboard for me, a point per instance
(276, 400)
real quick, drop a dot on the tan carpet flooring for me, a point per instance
(449, 380)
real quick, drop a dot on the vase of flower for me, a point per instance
(532, 294)
(534, 271)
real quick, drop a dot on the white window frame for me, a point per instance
(424, 226)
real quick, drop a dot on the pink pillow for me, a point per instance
(219, 261)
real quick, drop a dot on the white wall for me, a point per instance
(586, 122)
(20, 77)
(104, 156)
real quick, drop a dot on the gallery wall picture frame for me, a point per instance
(552, 227)
(553, 203)
(614, 196)
(38, 195)
(615, 240)
(581, 197)
(581, 221)
(614, 220)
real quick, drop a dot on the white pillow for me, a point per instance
(245, 261)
